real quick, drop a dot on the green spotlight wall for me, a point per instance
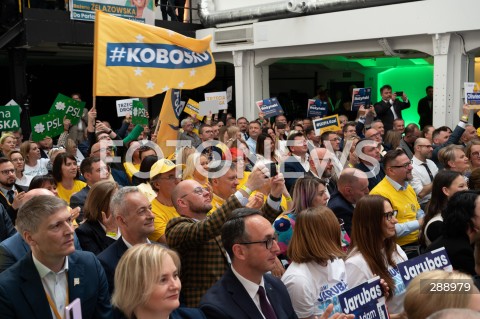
(411, 80)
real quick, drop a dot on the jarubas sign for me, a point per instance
(9, 118)
(365, 300)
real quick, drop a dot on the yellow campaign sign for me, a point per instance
(192, 108)
(135, 59)
(326, 124)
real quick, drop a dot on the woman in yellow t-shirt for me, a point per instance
(65, 172)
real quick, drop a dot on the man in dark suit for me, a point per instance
(389, 108)
(134, 217)
(297, 165)
(93, 170)
(14, 248)
(351, 186)
(425, 108)
(249, 240)
(10, 192)
(43, 282)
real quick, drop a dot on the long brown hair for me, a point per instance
(367, 237)
(309, 244)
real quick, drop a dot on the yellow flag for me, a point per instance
(169, 121)
(135, 59)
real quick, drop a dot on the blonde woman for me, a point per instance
(34, 164)
(7, 144)
(421, 301)
(147, 284)
(194, 161)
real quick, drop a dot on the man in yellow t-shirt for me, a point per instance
(224, 185)
(395, 187)
(163, 178)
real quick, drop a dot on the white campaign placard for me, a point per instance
(206, 106)
(124, 107)
(221, 97)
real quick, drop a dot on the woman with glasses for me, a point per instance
(445, 184)
(147, 284)
(461, 223)
(317, 272)
(19, 164)
(65, 172)
(99, 229)
(374, 251)
(34, 164)
(307, 192)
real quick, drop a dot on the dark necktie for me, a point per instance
(10, 194)
(267, 309)
(428, 171)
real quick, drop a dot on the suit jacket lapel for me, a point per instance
(33, 291)
(241, 297)
(76, 278)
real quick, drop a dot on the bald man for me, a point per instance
(424, 170)
(351, 186)
(14, 248)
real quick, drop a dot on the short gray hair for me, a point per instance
(452, 313)
(117, 204)
(36, 210)
(185, 121)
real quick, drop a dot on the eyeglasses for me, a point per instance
(475, 154)
(197, 191)
(20, 159)
(268, 242)
(6, 172)
(390, 215)
(406, 165)
(429, 146)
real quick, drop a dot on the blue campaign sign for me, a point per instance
(437, 259)
(361, 96)
(270, 107)
(365, 300)
(317, 108)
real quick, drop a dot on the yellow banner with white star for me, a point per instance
(134, 59)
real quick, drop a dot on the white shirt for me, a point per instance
(39, 169)
(305, 163)
(252, 289)
(312, 286)
(358, 272)
(24, 181)
(421, 177)
(55, 284)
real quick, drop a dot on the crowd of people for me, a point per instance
(254, 218)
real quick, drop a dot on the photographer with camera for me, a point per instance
(390, 108)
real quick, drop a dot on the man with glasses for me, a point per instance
(246, 290)
(10, 193)
(197, 238)
(164, 176)
(188, 134)
(423, 172)
(395, 187)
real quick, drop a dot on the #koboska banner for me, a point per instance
(134, 59)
